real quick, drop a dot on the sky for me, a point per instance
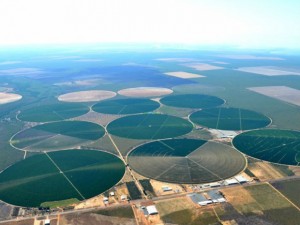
(241, 23)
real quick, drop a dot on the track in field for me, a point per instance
(57, 136)
(61, 175)
(187, 161)
(230, 119)
(149, 126)
(277, 146)
(53, 112)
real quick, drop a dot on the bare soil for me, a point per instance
(86, 96)
(282, 93)
(183, 75)
(9, 97)
(145, 92)
(203, 66)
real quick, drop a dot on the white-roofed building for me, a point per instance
(151, 209)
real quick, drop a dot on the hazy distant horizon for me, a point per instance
(247, 24)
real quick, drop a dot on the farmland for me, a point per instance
(186, 161)
(126, 106)
(192, 101)
(149, 126)
(53, 112)
(278, 146)
(230, 119)
(75, 101)
(57, 135)
(290, 189)
(35, 180)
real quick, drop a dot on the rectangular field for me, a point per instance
(289, 188)
(269, 70)
(203, 66)
(262, 201)
(282, 93)
(183, 75)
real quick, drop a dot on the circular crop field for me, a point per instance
(149, 126)
(186, 161)
(57, 135)
(145, 92)
(55, 176)
(87, 96)
(277, 146)
(192, 101)
(230, 119)
(54, 112)
(126, 106)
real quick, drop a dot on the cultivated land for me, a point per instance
(58, 176)
(203, 66)
(126, 106)
(192, 101)
(186, 161)
(53, 112)
(184, 75)
(278, 146)
(86, 96)
(143, 92)
(57, 135)
(282, 93)
(149, 126)
(290, 189)
(229, 119)
(269, 70)
(9, 97)
(56, 72)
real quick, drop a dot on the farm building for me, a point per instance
(231, 181)
(166, 188)
(47, 222)
(151, 209)
(241, 179)
(216, 196)
(199, 199)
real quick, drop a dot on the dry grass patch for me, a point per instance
(9, 97)
(183, 75)
(145, 91)
(166, 207)
(264, 171)
(86, 96)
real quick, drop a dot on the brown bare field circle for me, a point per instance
(87, 96)
(9, 97)
(145, 92)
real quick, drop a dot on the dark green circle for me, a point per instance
(61, 175)
(277, 146)
(186, 161)
(230, 119)
(126, 106)
(57, 135)
(53, 112)
(149, 126)
(192, 101)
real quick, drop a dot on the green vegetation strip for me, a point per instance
(126, 106)
(277, 146)
(230, 119)
(192, 101)
(149, 126)
(57, 135)
(39, 180)
(186, 161)
(53, 112)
